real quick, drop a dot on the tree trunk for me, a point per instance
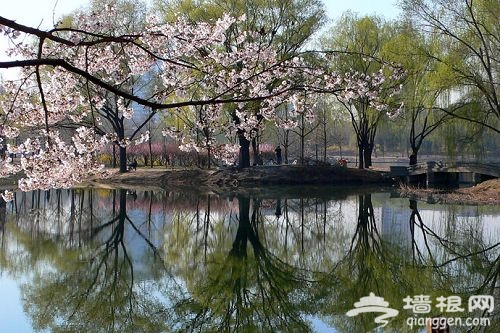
(285, 145)
(114, 155)
(255, 152)
(302, 141)
(209, 157)
(324, 149)
(3, 214)
(368, 155)
(370, 146)
(361, 163)
(325, 139)
(123, 159)
(244, 152)
(150, 153)
(414, 156)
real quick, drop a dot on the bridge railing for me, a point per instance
(416, 167)
(440, 166)
(426, 166)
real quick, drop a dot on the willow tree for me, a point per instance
(469, 38)
(425, 86)
(358, 45)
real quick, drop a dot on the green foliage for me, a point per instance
(357, 45)
(466, 44)
(288, 24)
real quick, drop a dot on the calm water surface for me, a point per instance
(274, 260)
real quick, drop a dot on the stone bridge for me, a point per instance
(434, 172)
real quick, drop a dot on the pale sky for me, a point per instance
(43, 13)
(384, 8)
(33, 12)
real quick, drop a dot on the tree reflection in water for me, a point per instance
(108, 261)
(370, 264)
(469, 266)
(249, 289)
(91, 287)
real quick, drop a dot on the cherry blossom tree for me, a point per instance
(183, 56)
(284, 24)
(193, 68)
(117, 116)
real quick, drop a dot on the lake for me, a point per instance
(299, 259)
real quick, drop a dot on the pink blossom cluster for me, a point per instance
(364, 87)
(54, 163)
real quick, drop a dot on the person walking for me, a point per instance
(278, 155)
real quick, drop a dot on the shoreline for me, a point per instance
(233, 178)
(255, 179)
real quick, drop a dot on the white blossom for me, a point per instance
(7, 196)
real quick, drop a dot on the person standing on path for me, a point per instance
(278, 155)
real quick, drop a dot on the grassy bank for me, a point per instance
(487, 192)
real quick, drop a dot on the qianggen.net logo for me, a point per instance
(451, 311)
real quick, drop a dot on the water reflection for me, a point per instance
(243, 286)
(118, 260)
